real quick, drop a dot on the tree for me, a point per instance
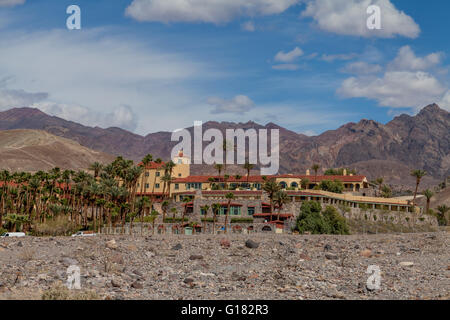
(271, 187)
(305, 183)
(386, 192)
(418, 174)
(96, 167)
(219, 168)
(229, 196)
(428, 195)
(205, 208)
(379, 181)
(281, 198)
(336, 223)
(335, 186)
(316, 168)
(248, 166)
(164, 207)
(442, 219)
(215, 208)
(145, 162)
(185, 203)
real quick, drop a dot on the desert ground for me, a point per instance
(412, 266)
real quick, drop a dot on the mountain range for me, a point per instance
(389, 150)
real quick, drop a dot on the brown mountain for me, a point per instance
(33, 150)
(390, 150)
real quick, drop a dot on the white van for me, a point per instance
(13, 234)
(84, 234)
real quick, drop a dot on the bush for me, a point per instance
(311, 219)
(241, 220)
(335, 186)
(60, 292)
(58, 227)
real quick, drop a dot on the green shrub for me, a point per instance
(60, 226)
(335, 186)
(241, 220)
(312, 219)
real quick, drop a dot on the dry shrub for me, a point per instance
(27, 254)
(60, 292)
(57, 227)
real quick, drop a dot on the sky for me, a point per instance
(159, 65)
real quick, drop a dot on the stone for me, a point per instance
(304, 257)
(331, 256)
(68, 261)
(116, 284)
(225, 243)
(251, 244)
(112, 244)
(117, 258)
(188, 280)
(195, 257)
(406, 264)
(137, 285)
(20, 244)
(366, 253)
(177, 247)
(327, 247)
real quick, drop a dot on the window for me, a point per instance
(157, 185)
(147, 186)
(202, 212)
(157, 173)
(251, 211)
(180, 161)
(147, 174)
(195, 186)
(235, 211)
(177, 186)
(179, 174)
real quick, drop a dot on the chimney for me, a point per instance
(344, 172)
(307, 172)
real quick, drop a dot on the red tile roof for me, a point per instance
(259, 179)
(152, 165)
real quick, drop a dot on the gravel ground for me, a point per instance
(413, 266)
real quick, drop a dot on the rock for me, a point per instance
(225, 243)
(150, 254)
(138, 273)
(117, 258)
(327, 247)
(112, 244)
(20, 244)
(177, 247)
(366, 253)
(196, 257)
(137, 285)
(331, 256)
(406, 264)
(188, 280)
(116, 284)
(304, 257)
(68, 261)
(251, 244)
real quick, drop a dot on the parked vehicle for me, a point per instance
(84, 234)
(12, 234)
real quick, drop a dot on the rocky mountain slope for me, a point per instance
(390, 150)
(33, 150)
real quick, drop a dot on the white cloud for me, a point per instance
(407, 60)
(395, 89)
(238, 105)
(361, 67)
(349, 17)
(11, 3)
(289, 56)
(122, 116)
(445, 101)
(248, 26)
(287, 66)
(210, 11)
(100, 72)
(333, 57)
(19, 98)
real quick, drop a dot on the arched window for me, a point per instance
(266, 229)
(283, 184)
(294, 185)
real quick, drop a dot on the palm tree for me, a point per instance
(271, 187)
(280, 198)
(305, 183)
(216, 208)
(418, 174)
(218, 167)
(164, 206)
(443, 209)
(185, 202)
(96, 167)
(229, 196)
(205, 208)
(145, 162)
(316, 168)
(428, 195)
(248, 166)
(174, 213)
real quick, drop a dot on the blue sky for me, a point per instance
(159, 65)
